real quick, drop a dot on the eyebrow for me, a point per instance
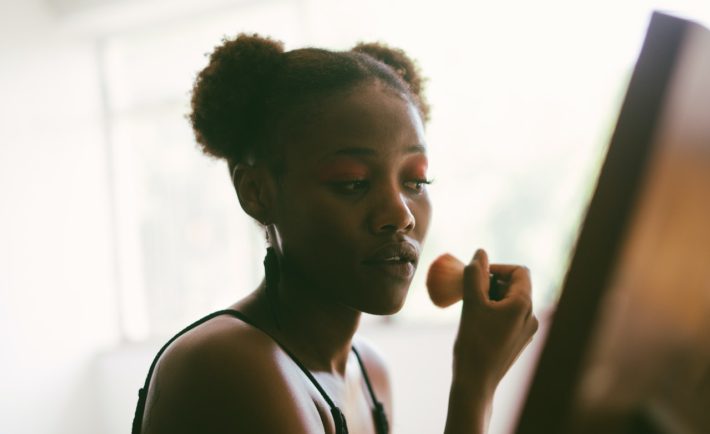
(414, 149)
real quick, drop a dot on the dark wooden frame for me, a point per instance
(551, 395)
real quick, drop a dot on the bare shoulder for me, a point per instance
(225, 376)
(377, 370)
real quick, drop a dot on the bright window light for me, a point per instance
(524, 96)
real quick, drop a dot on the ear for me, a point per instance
(256, 190)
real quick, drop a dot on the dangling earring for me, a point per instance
(272, 277)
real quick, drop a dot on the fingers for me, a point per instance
(516, 278)
(476, 278)
(527, 336)
(515, 284)
(504, 269)
(482, 257)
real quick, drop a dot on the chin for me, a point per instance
(384, 312)
(385, 306)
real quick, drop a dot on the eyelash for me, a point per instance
(358, 185)
(420, 184)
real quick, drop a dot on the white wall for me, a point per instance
(56, 289)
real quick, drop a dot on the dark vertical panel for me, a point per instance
(559, 370)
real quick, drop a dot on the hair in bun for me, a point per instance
(403, 65)
(226, 91)
(252, 88)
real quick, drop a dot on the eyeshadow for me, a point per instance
(342, 170)
(417, 166)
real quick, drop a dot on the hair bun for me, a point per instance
(398, 60)
(227, 93)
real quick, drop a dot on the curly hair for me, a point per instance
(251, 88)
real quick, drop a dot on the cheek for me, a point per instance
(314, 221)
(331, 226)
(323, 242)
(422, 210)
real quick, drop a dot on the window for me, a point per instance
(519, 123)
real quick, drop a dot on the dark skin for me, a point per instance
(347, 218)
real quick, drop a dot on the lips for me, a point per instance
(396, 259)
(394, 252)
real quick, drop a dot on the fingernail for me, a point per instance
(477, 255)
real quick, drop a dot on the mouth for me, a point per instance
(396, 259)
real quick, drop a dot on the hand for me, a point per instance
(492, 334)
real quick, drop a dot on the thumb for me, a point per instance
(476, 279)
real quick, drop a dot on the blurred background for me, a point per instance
(115, 231)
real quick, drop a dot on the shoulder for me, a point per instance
(377, 370)
(225, 373)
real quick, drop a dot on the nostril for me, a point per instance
(405, 225)
(392, 214)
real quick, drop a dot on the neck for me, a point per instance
(318, 331)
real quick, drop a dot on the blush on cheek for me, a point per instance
(340, 171)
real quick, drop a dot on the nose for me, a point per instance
(392, 213)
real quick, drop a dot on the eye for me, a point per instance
(417, 185)
(350, 187)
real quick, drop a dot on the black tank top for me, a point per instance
(341, 427)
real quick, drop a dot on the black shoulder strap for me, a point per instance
(338, 417)
(378, 412)
(143, 392)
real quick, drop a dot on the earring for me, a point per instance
(272, 276)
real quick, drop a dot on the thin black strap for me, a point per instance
(143, 392)
(378, 412)
(341, 426)
(310, 376)
(338, 417)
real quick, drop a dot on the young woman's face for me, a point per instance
(353, 207)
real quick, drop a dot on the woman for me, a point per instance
(327, 152)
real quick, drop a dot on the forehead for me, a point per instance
(370, 120)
